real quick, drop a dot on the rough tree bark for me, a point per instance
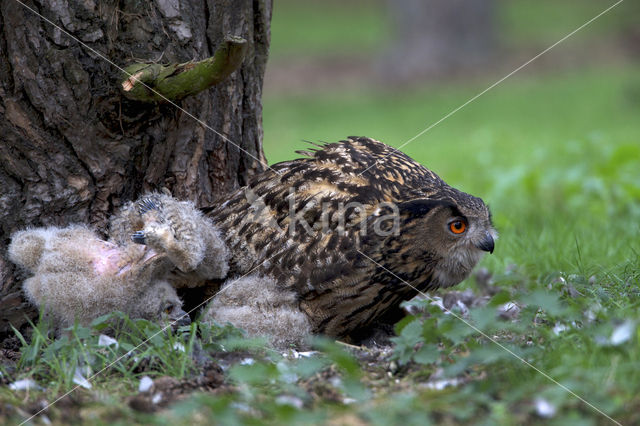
(73, 148)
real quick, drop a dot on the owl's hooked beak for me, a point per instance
(487, 243)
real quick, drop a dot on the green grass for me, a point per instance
(55, 362)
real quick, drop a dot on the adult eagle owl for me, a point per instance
(312, 224)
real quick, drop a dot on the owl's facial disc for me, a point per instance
(475, 226)
(464, 242)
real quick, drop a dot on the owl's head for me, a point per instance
(160, 301)
(450, 235)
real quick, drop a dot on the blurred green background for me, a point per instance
(554, 149)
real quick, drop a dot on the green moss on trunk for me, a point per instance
(156, 83)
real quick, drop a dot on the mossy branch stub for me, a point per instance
(156, 83)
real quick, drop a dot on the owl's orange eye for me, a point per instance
(457, 226)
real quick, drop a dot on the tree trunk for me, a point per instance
(434, 38)
(73, 148)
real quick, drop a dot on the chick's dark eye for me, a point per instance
(168, 309)
(458, 226)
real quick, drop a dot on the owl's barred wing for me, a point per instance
(288, 243)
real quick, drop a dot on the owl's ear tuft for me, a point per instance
(421, 206)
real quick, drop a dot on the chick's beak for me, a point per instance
(180, 317)
(486, 244)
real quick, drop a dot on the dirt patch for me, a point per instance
(166, 390)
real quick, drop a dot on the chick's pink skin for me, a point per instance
(110, 259)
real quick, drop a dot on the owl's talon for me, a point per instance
(139, 237)
(147, 204)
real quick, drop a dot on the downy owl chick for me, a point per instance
(261, 307)
(78, 276)
(180, 231)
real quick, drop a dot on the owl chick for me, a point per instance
(343, 230)
(77, 275)
(261, 307)
(177, 229)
